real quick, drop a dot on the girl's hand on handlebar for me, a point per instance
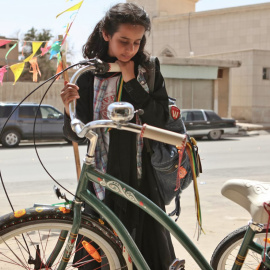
(127, 69)
(68, 94)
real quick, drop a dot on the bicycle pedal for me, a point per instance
(177, 265)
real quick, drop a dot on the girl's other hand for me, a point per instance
(127, 69)
(68, 94)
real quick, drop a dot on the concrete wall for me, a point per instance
(15, 93)
(261, 88)
(223, 95)
(166, 7)
(197, 94)
(216, 31)
(250, 99)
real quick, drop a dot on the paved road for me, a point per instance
(232, 157)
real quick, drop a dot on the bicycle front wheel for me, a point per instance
(225, 253)
(29, 242)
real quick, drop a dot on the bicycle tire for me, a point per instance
(42, 226)
(225, 253)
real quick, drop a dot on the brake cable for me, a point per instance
(51, 78)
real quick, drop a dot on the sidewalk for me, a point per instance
(250, 126)
(253, 129)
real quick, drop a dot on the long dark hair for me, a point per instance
(122, 13)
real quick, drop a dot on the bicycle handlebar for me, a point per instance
(96, 66)
(119, 112)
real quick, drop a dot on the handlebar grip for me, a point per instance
(114, 67)
(162, 135)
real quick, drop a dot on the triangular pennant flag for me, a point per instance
(17, 70)
(55, 48)
(73, 14)
(3, 70)
(45, 49)
(10, 50)
(4, 42)
(67, 30)
(59, 69)
(34, 69)
(75, 7)
(35, 47)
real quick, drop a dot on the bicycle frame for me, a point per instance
(249, 244)
(89, 173)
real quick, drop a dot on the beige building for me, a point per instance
(234, 43)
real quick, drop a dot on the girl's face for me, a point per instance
(125, 43)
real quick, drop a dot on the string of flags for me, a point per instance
(53, 49)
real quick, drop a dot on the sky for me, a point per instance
(18, 16)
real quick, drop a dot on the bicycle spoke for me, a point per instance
(20, 246)
(46, 241)
(12, 251)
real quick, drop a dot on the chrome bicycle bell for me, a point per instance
(120, 111)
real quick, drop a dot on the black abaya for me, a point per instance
(152, 239)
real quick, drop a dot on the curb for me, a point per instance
(253, 127)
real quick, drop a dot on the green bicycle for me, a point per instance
(44, 236)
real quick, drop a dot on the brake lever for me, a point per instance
(99, 67)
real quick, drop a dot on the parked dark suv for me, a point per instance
(49, 123)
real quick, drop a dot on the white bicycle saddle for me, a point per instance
(250, 195)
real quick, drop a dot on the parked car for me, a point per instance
(201, 123)
(49, 123)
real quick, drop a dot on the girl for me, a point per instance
(120, 37)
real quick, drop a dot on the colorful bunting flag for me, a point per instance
(34, 69)
(4, 42)
(3, 70)
(35, 46)
(73, 14)
(55, 48)
(17, 70)
(59, 69)
(45, 49)
(10, 50)
(75, 7)
(67, 30)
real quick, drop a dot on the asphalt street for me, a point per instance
(244, 157)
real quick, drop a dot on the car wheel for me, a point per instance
(11, 138)
(214, 134)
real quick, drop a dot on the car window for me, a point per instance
(186, 116)
(5, 111)
(198, 116)
(212, 116)
(48, 112)
(28, 112)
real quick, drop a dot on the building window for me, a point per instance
(11, 45)
(3, 46)
(266, 74)
(220, 73)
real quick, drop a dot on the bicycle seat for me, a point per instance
(250, 195)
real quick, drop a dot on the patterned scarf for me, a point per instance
(106, 88)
